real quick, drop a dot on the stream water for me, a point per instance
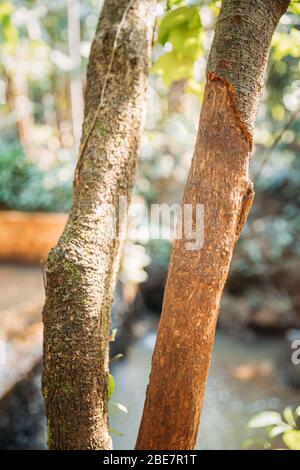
(244, 378)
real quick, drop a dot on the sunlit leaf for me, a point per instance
(6, 8)
(289, 416)
(264, 419)
(183, 18)
(277, 430)
(116, 358)
(118, 407)
(294, 8)
(113, 335)
(111, 385)
(172, 3)
(8, 32)
(181, 30)
(173, 68)
(286, 44)
(292, 439)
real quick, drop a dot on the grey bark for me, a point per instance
(81, 269)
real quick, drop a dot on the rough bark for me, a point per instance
(81, 269)
(219, 179)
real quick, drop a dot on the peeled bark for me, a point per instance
(219, 179)
(81, 269)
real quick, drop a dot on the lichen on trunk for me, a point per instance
(81, 270)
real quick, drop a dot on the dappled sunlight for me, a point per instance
(45, 48)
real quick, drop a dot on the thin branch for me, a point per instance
(43, 268)
(276, 141)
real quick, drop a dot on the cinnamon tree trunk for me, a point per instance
(81, 269)
(219, 179)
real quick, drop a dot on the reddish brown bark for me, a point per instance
(219, 179)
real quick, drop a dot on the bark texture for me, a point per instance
(219, 179)
(81, 269)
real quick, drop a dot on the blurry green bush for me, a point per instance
(279, 430)
(25, 186)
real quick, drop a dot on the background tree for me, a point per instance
(81, 269)
(219, 179)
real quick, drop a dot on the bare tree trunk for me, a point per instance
(81, 269)
(219, 179)
(20, 104)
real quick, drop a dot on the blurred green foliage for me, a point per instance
(25, 186)
(8, 32)
(180, 29)
(281, 430)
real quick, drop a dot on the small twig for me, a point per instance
(43, 266)
(277, 139)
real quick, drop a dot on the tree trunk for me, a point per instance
(219, 179)
(81, 269)
(20, 104)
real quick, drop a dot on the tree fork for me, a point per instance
(219, 179)
(81, 270)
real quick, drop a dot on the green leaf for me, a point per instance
(286, 44)
(292, 439)
(186, 43)
(6, 9)
(8, 32)
(115, 431)
(111, 386)
(113, 335)
(183, 18)
(181, 29)
(289, 416)
(264, 419)
(172, 3)
(173, 68)
(277, 430)
(294, 8)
